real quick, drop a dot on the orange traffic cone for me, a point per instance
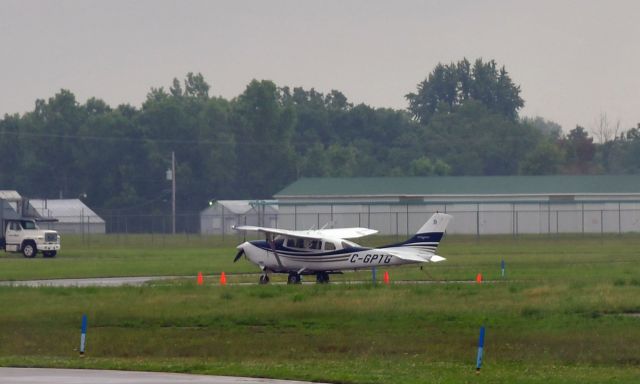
(223, 279)
(479, 278)
(386, 277)
(200, 279)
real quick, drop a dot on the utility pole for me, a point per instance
(173, 190)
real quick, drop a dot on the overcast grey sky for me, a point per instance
(574, 60)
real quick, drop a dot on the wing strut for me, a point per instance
(272, 244)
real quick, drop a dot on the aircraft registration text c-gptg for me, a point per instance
(371, 258)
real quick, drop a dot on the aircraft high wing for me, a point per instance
(325, 251)
(334, 233)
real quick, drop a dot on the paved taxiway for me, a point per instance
(141, 280)
(91, 376)
(88, 282)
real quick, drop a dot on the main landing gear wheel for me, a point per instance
(294, 278)
(264, 279)
(322, 277)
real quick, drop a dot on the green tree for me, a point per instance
(545, 159)
(548, 128)
(580, 151)
(263, 127)
(473, 140)
(452, 85)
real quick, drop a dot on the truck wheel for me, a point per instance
(49, 254)
(29, 250)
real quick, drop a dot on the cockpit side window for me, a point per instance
(298, 243)
(329, 246)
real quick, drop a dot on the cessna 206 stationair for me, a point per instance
(326, 251)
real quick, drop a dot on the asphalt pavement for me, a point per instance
(88, 282)
(92, 376)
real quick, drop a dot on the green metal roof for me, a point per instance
(462, 185)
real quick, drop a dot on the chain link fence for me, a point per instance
(398, 221)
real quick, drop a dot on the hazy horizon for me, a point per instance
(574, 60)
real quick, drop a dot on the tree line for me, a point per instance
(462, 120)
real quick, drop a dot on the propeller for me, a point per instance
(238, 255)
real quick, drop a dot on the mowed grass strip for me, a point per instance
(567, 312)
(356, 333)
(526, 257)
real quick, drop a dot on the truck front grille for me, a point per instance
(50, 237)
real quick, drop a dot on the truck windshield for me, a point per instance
(29, 225)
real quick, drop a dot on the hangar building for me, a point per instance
(479, 204)
(222, 215)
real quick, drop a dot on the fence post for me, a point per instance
(397, 227)
(478, 220)
(408, 233)
(331, 216)
(619, 220)
(549, 218)
(513, 220)
(82, 224)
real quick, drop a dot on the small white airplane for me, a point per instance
(325, 251)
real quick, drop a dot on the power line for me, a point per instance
(134, 140)
(436, 139)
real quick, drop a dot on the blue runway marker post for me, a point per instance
(480, 350)
(83, 335)
(502, 268)
(373, 274)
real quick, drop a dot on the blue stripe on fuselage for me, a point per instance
(430, 237)
(280, 248)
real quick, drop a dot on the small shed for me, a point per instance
(73, 216)
(220, 217)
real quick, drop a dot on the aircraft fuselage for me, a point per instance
(279, 258)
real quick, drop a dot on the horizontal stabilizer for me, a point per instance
(414, 254)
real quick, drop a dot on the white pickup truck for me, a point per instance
(23, 235)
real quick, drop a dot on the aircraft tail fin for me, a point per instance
(429, 235)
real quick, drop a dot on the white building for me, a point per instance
(72, 215)
(479, 204)
(221, 216)
(10, 205)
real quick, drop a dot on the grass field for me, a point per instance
(566, 313)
